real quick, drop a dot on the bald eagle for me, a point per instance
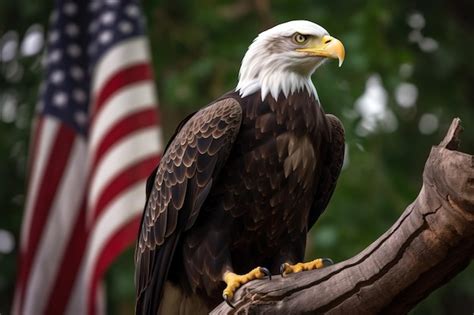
(242, 180)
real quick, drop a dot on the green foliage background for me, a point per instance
(197, 48)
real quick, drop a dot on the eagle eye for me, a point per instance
(299, 38)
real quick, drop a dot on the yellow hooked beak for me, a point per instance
(328, 47)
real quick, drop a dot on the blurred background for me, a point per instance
(408, 72)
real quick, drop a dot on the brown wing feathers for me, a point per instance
(183, 180)
(332, 165)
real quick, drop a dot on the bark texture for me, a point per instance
(429, 244)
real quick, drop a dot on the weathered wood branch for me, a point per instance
(431, 242)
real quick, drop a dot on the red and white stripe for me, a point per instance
(85, 199)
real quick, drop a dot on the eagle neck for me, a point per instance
(276, 83)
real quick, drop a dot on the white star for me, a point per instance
(74, 50)
(53, 37)
(57, 76)
(80, 117)
(60, 99)
(107, 18)
(77, 73)
(55, 56)
(105, 37)
(79, 95)
(111, 2)
(132, 10)
(70, 8)
(94, 6)
(125, 27)
(72, 29)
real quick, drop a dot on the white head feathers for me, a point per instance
(273, 65)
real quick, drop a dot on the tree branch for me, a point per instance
(430, 243)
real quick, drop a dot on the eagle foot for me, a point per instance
(235, 281)
(286, 268)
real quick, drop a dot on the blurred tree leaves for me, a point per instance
(19, 80)
(197, 48)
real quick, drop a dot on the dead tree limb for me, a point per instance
(431, 242)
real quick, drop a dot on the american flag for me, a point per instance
(95, 140)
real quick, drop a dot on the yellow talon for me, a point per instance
(234, 281)
(286, 268)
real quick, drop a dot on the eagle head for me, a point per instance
(283, 58)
